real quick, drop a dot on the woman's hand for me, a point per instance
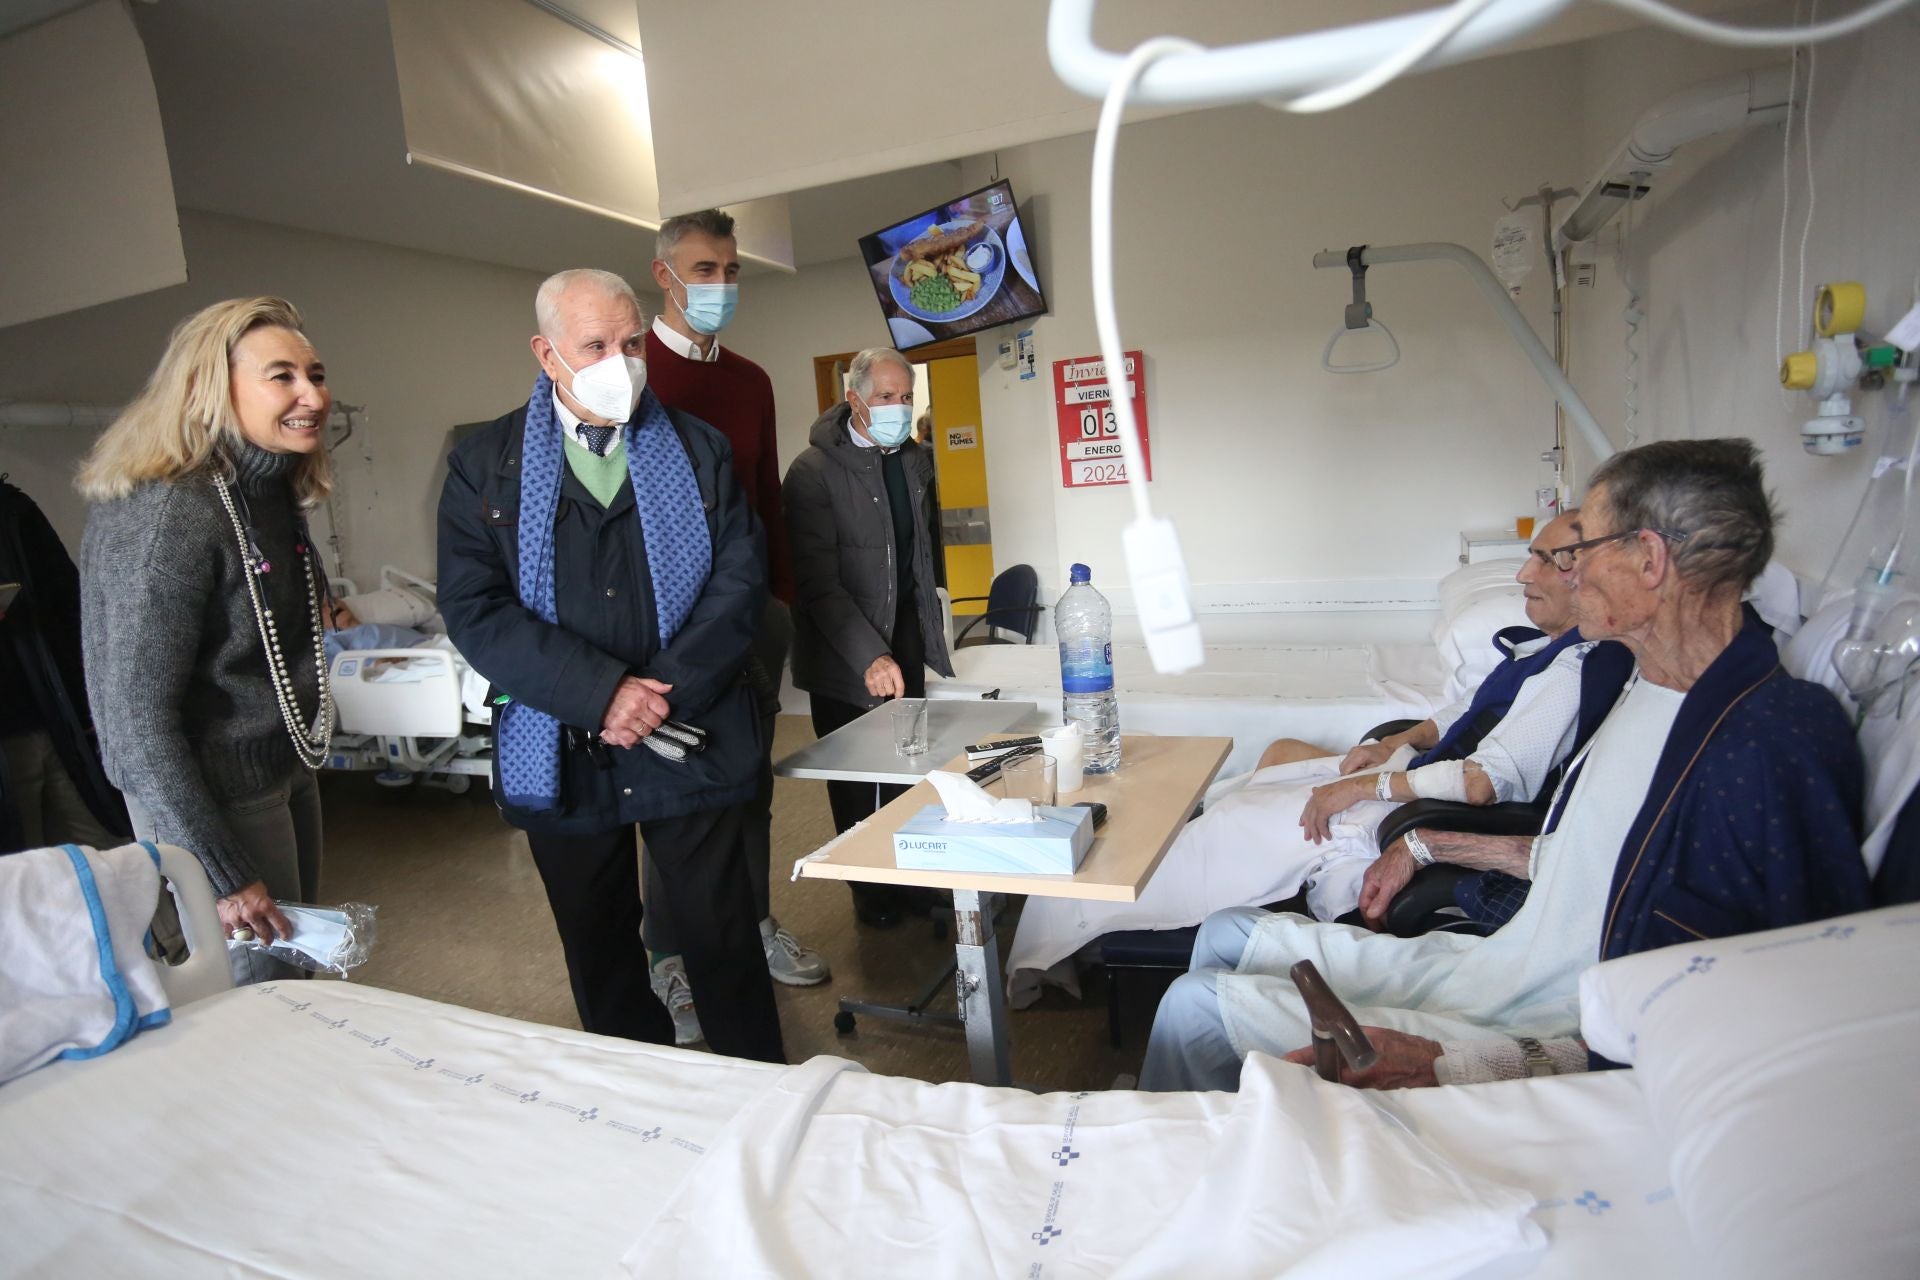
(1368, 755)
(252, 907)
(1405, 1062)
(1329, 801)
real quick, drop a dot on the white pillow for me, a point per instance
(1779, 1068)
(1476, 601)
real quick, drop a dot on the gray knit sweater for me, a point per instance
(176, 671)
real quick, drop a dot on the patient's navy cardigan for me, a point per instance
(1752, 820)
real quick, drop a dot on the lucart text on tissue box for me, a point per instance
(1052, 844)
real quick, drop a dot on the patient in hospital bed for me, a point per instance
(1313, 822)
(1720, 796)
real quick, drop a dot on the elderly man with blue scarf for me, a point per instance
(1720, 796)
(599, 566)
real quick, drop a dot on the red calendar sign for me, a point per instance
(1089, 431)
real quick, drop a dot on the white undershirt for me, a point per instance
(1618, 770)
(683, 346)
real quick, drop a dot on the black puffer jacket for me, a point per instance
(840, 532)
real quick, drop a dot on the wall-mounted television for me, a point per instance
(955, 269)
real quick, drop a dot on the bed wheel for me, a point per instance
(843, 1023)
(458, 783)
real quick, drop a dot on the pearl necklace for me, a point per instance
(309, 744)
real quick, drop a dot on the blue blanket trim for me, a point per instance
(123, 1007)
(159, 1017)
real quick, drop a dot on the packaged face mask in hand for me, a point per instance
(324, 939)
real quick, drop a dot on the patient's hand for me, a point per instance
(1329, 801)
(1385, 879)
(1406, 1061)
(1368, 755)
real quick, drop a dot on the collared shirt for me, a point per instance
(861, 442)
(570, 422)
(683, 346)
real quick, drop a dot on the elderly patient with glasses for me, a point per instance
(1719, 796)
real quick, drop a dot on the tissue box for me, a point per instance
(1052, 844)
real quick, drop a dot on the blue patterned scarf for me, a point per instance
(673, 524)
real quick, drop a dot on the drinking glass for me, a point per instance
(910, 727)
(1029, 778)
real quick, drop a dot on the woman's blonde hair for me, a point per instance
(177, 423)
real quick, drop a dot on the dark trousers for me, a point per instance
(593, 885)
(770, 645)
(853, 802)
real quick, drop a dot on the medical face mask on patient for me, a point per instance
(708, 306)
(608, 388)
(889, 424)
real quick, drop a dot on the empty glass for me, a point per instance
(1029, 778)
(910, 727)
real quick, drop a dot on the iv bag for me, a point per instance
(1879, 656)
(1515, 248)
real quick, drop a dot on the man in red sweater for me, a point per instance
(697, 266)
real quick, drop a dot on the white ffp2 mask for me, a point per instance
(608, 388)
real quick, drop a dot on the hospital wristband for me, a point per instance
(1422, 856)
(1383, 789)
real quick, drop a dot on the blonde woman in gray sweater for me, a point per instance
(201, 608)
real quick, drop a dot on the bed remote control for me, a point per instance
(989, 770)
(988, 750)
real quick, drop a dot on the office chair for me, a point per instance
(1012, 605)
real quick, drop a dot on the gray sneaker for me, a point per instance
(787, 960)
(671, 986)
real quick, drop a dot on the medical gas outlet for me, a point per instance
(1833, 368)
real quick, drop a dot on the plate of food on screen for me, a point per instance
(949, 271)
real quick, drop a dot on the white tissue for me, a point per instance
(965, 801)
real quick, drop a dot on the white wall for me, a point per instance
(1706, 243)
(785, 321)
(423, 341)
(1291, 486)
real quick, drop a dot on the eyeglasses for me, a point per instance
(1563, 557)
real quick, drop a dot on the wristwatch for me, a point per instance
(1538, 1063)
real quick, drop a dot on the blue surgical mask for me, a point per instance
(888, 425)
(708, 307)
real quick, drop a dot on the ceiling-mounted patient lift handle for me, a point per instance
(1359, 317)
(1359, 311)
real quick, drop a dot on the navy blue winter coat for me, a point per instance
(607, 628)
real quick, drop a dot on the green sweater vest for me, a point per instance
(602, 476)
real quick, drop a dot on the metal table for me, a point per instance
(862, 751)
(1160, 783)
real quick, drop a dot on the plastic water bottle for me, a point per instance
(1084, 622)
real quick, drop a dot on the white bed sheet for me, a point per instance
(326, 1129)
(972, 1181)
(1329, 694)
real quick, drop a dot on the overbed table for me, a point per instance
(1158, 786)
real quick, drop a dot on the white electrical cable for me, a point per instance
(1634, 316)
(1389, 68)
(1686, 24)
(1100, 234)
(1786, 206)
(1806, 149)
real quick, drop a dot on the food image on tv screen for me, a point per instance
(955, 269)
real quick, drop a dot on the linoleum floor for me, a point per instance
(463, 919)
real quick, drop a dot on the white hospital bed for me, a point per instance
(1256, 690)
(417, 713)
(324, 1128)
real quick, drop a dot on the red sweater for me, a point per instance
(734, 396)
